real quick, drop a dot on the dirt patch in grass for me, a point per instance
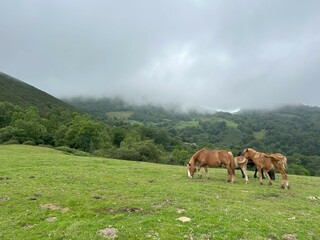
(289, 236)
(130, 209)
(269, 195)
(54, 207)
(109, 232)
(3, 199)
(120, 210)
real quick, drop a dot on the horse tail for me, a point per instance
(284, 162)
(232, 163)
(233, 160)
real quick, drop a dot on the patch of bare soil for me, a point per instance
(269, 195)
(3, 199)
(54, 207)
(130, 209)
(109, 232)
(121, 210)
(289, 236)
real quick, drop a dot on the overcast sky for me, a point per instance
(212, 54)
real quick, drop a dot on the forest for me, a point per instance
(116, 129)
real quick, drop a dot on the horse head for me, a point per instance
(246, 153)
(191, 169)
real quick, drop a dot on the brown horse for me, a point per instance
(211, 158)
(241, 162)
(267, 162)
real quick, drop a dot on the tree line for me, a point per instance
(154, 134)
(63, 128)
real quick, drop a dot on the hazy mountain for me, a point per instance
(22, 94)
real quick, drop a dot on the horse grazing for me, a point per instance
(211, 158)
(267, 162)
(241, 162)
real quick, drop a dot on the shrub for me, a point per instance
(29, 142)
(72, 151)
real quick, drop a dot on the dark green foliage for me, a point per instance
(22, 94)
(290, 130)
(59, 127)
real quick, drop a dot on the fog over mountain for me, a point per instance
(211, 54)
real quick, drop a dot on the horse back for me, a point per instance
(214, 158)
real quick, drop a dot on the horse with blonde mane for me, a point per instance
(241, 162)
(211, 158)
(268, 162)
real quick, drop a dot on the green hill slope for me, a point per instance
(22, 94)
(46, 194)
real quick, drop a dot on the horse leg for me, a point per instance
(260, 175)
(272, 175)
(244, 172)
(255, 173)
(285, 182)
(268, 177)
(200, 166)
(230, 174)
(206, 169)
(199, 173)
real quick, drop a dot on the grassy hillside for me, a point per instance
(22, 94)
(47, 194)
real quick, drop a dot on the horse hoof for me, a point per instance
(285, 187)
(269, 183)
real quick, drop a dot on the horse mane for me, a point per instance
(194, 157)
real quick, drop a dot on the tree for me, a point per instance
(86, 134)
(30, 126)
(6, 112)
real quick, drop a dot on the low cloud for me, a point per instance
(197, 53)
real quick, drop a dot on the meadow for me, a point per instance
(48, 194)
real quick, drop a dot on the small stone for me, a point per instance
(180, 210)
(52, 219)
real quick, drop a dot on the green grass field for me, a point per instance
(47, 194)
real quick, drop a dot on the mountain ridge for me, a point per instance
(25, 95)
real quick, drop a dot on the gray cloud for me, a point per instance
(211, 54)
